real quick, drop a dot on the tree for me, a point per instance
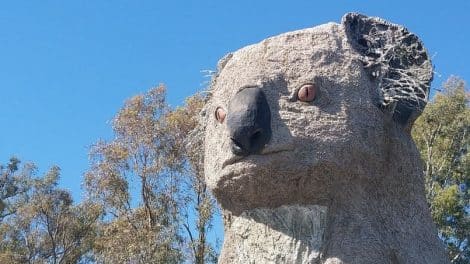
(442, 136)
(13, 186)
(150, 156)
(142, 154)
(182, 122)
(41, 224)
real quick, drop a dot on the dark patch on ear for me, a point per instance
(396, 60)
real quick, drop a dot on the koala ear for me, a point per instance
(396, 60)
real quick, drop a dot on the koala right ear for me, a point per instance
(397, 60)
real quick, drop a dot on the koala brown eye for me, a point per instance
(220, 114)
(307, 93)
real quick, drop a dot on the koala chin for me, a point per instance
(308, 147)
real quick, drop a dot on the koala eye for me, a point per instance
(307, 92)
(220, 114)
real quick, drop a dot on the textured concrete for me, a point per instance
(340, 180)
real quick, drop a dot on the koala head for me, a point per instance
(296, 116)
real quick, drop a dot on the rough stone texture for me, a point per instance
(288, 234)
(340, 180)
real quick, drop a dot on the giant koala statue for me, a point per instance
(308, 147)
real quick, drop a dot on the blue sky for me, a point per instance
(66, 67)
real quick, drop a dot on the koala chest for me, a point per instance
(287, 234)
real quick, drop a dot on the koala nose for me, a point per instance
(249, 122)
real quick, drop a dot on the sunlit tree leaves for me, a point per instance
(442, 136)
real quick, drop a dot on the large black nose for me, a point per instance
(249, 121)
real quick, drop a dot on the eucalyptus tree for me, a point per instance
(40, 223)
(442, 136)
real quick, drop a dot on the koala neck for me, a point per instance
(287, 234)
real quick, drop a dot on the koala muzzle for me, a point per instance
(249, 122)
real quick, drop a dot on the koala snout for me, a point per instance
(249, 121)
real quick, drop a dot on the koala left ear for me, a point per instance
(396, 60)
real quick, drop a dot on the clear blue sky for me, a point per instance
(66, 67)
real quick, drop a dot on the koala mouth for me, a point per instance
(268, 152)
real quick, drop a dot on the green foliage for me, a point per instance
(39, 223)
(139, 154)
(184, 121)
(149, 151)
(442, 136)
(13, 186)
